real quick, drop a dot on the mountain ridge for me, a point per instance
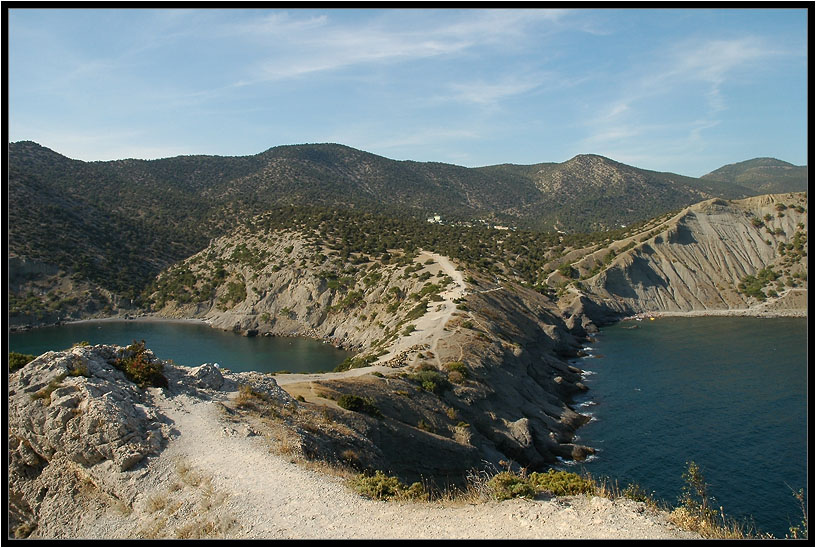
(117, 224)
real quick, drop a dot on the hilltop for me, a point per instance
(763, 176)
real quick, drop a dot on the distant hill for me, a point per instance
(118, 223)
(763, 176)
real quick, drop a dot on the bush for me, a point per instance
(458, 367)
(431, 381)
(17, 360)
(382, 487)
(138, 368)
(358, 404)
(560, 482)
(694, 497)
(507, 485)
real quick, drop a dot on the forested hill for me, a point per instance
(763, 176)
(116, 224)
(583, 194)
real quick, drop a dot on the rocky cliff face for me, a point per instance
(701, 259)
(290, 283)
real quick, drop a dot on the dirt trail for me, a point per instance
(431, 327)
(263, 495)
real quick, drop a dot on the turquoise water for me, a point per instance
(190, 344)
(730, 394)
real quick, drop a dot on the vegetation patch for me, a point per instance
(431, 380)
(358, 404)
(18, 360)
(138, 367)
(457, 372)
(355, 362)
(45, 393)
(752, 286)
(382, 487)
(561, 483)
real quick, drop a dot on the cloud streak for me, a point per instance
(298, 46)
(690, 72)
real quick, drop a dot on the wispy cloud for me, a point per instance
(711, 63)
(688, 72)
(306, 44)
(483, 92)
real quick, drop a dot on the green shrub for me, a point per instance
(507, 485)
(637, 493)
(358, 404)
(457, 367)
(567, 270)
(139, 369)
(417, 312)
(17, 360)
(560, 482)
(382, 487)
(694, 496)
(431, 381)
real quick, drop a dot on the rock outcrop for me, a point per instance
(80, 430)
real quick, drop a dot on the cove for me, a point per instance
(729, 393)
(189, 344)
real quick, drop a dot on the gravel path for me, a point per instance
(253, 493)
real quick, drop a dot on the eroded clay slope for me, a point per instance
(700, 260)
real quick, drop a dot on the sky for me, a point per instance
(680, 90)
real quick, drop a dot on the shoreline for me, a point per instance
(140, 318)
(732, 312)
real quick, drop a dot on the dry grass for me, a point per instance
(188, 509)
(155, 503)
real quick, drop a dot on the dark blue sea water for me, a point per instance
(190, 344)
(728, 393)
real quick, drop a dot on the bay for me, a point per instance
(189, 344)
(728, 393)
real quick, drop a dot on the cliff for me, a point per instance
(742, 256)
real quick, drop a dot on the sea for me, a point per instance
(728, 393)
(190, 344)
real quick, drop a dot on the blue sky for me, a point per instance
(665, 89)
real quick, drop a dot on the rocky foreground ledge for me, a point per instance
(92, 454)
